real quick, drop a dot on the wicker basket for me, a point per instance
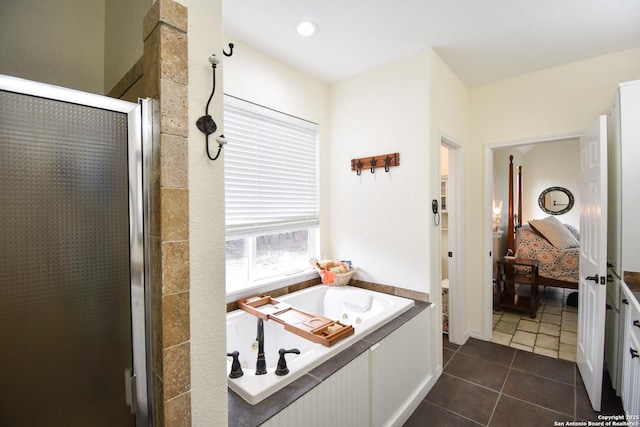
(342, 279)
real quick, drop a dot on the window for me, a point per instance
(271, 193)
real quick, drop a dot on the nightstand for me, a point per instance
(518, 271)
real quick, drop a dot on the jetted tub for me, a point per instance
(363, 309)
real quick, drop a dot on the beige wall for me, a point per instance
(552, 164)
(80, 44)
(449, 100)
(549, 102)
(383, 221)
(59, 42)
(375, 218)
(123, 37)
(256, 77)
(206, 223)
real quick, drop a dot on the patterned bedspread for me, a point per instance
(559, 264)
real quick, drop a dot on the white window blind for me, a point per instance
(270, 170)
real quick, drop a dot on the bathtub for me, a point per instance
(363, 309)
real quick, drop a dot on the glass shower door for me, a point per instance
(65, 264)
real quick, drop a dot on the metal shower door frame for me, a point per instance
(140, 134)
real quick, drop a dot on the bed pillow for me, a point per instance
(555, 232)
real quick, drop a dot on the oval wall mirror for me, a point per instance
(555, 200)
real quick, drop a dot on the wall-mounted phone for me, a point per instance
(436, 215)
(434, 206)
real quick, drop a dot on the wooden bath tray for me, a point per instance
(314, 328)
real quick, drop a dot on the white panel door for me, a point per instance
(593, 258)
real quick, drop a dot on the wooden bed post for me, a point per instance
(519, 197)
(510, 235)
(542, 278)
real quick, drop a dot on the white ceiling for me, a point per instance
(481, 40)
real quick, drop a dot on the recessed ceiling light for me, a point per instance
(306, 28)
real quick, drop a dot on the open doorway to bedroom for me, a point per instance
(539, 168)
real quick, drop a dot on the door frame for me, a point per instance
(488, 217)
(139, 139)
(456, 222)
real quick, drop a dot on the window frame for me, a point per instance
(251, 234)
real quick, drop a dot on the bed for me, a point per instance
(554, 245)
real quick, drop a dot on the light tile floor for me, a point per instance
(553, 331)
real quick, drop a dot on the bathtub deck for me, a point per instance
(243, 414)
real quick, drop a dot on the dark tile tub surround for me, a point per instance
(508, 387)
(241, 414)
(385, 289)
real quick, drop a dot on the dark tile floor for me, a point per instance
(487, 384)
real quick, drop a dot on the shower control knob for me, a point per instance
(282, 362)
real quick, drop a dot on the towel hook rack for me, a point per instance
(384, 160)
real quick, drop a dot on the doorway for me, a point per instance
(72, 260)
(553, 331)
(444, 229)
(451, 282)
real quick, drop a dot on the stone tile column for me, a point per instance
(165, 78)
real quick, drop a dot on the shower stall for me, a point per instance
(73, 280)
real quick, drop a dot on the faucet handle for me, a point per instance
(282, 362)
(236, 369)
